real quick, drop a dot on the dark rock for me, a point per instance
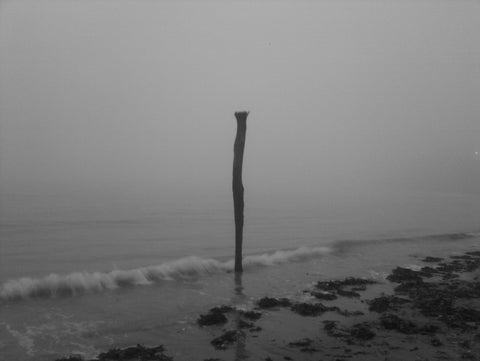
(244, 324)
(463, 289)
(449, 276)
(428, 329)
(349, 287)
(309, 309)
(467, 314)
(434, 304)
(328, 285)
(308, 349)
(269, 302)
(362, 331)
(432, 259)
(324, 295)
(393, 322)
(214, 317)
(438, 299)
(335, 285)
(401, 274)
(353, 281)
(329, 325)
(251, 315)
(464, 344)
(436, 342)
(333, 330)
(468, 356)
(229, 337)
(112, 354)
(222, 309)
(301, 343)
(131, 352)
(348, 313)
(407, 287)
(428, 271)
(460, 264)
(137, 352)
(385, 303)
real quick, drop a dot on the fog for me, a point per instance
(137, 97)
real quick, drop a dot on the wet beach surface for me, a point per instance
(429, 312)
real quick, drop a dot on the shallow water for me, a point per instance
(77, 280)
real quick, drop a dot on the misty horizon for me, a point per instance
(338, 106)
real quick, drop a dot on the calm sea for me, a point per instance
(83, 275)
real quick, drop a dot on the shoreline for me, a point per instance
(428, 313)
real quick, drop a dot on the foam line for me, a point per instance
(55, 285)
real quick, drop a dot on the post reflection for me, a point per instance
(238, 299)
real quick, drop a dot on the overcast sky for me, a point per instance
(139, 96)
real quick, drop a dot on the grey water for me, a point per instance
(63, 234)
(79, 275)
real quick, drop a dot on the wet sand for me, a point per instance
(431, 312)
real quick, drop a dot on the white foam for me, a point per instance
(413, 267)
(55, 285)
(24, 340)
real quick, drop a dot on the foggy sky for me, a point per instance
(139, 96)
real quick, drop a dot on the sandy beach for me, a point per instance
(428, 312)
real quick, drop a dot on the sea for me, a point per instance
(81, 275)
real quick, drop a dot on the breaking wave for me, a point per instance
(55, 285)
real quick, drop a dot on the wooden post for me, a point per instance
(237, 186)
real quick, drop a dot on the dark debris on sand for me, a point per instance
(432, 259)
(362, 331)
(309, 309)
(301, 343)
(215, 316)
(384, 303)
(358, 332)
(401, 274)
(439, 299)
(324, 295)
(430, 305)
(304, 345)
(138, 352)
(251, 315)
(393, 322)
(270, 302)
(229, 337)
(348, 287)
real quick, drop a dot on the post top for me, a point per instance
(241, 115)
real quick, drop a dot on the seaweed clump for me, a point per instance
(216, 316)
(270, 302)
(138, 352)
(229, 337)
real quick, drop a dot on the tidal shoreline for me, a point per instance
(430, 312)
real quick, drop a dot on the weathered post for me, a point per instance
(237, 186)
